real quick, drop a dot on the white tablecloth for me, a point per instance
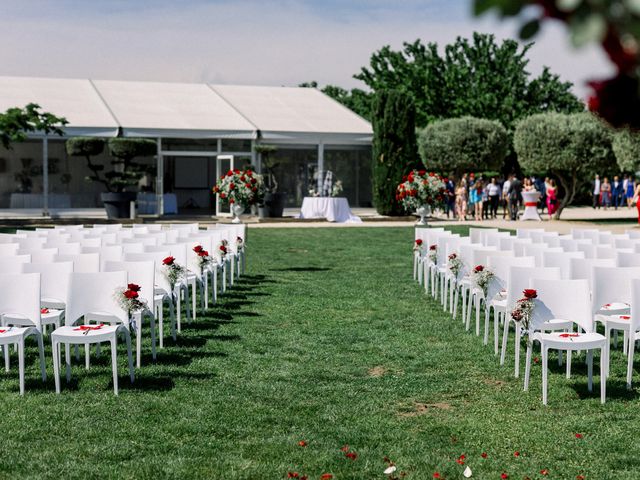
(530, 200)
(334, 209)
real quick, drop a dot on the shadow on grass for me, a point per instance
(301, 269)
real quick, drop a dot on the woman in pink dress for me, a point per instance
(552, 198)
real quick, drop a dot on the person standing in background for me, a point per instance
(461, 201)
(616, 192)
(450, 197)
(630, 192)
(552, 198)
(485, 200)
(505, 196)
(636, 200)
(515, 194)
(605, 193)
(595, 191)
(494, 197)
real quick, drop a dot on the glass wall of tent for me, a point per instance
(190, 169)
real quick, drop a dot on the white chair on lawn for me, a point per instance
(54, 290)
(590, 250)
(519, 280)
(92, 298)
(9, 249)
(20, 318)
(566, 300)
(13, 264)
(143, 275)
(627, 259)
(634, 327)
(562, 260)
(537, 249)
(109, 253)
(582, 268)
(82, 262)
(497, 291)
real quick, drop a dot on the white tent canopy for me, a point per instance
(181, 110)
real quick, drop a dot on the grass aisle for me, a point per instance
(327, 341)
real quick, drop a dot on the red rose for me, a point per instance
(479, 268)
(293, 475)
(134, 287)
(229, 173)
(254, 189)
(302, 443)
(203, 253)
(131, 294)
(168, 260)
(484, 455)
(452, 256)
(236, 171)
(433, 247)
(437, 475)
(579, 435)
(232, 186)
(223, 195)
(504, 476)
(231, 200)
(242, 178)
(248, 172)
(223, 249)
(198, 248)
(419, 241)
(216, 189)
(254, 181)
(351, 455)
(530, 293)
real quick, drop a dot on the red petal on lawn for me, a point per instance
(516, 454)
(326, 476)
(544, 472)
(437, 475)
(536, 360)
(484, 455)
(460, 461)
(504, 476)
(579, 477)
(293, 475)
(302, 443)
(579, 435)
(351, 455)
(345, 448)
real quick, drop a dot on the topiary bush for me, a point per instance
(569, 147)
(626, 147)
(394, 148)
(463, 144)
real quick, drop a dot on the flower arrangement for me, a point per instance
(242, 187)
(455, 264)
(129, 300)
(433, 253)
(204, 259)
(417, 246)
(481, 278)
(172, 271)
(337, 188)
(419, 189)
(521, 314)
(223, 249)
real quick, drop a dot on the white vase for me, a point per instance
(422, 212)
(237, 210)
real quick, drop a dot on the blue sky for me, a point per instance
(280, 42)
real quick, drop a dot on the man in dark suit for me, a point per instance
(514, 196)
(616, 192)
(450, 197)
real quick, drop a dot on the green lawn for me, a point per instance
(327, 340)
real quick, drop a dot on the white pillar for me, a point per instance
(159, 179)
(321, 172)
(45, 176)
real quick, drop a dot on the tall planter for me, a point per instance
(274, 204)
(118, 205)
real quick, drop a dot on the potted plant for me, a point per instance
(273, 204)
(125, 172)
(242, 189)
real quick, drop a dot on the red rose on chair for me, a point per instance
(479, 268)
(198, 248)
(203, 253)
(530, 293)
(433, 247)
(131, 294)
(168, 261)
(419, 241)
(134, 287)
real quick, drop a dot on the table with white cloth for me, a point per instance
(334, 209)
(530, 200)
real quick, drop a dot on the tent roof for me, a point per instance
(183, 110)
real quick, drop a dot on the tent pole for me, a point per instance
(320, 185)
(159, 179)
(45, 176)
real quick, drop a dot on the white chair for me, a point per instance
(20, 305)
(41, 255)
(82, 262)
(31, 242)
(142, 274)
(565, 300)
(562, 260)
(9, 249)
(634, 327)
(519, 279)
(108, 253)
(627, 259)
(14, 264)
(54, 289)
(536, 251)
(582, 268)
(89, 300)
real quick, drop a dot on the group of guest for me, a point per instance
(481, 198)
(617, 193)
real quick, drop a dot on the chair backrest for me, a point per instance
(500, 265)
(626, 243)
(604, 238)
(145, 240)
(156, 258)
(633, 234)
(20, 297)
(47, 255)
(526, 232)
(140, 273)
(612, 285)
(107, 253)
(10, 238)
(419, 232)
(14, 264)
(492, 239)
(605, 251)
(627, 259)
(441, 242)
(176, 250)
(54, 280)
(31, 242)
(480, 256)
(518, 245)
(562, 260)
(568, 244)
(551, 239)
(562, 299)
(95, 293)
(82, 262)
(88, 241)
(536, 251)
(635, 305)
(478, 235)
(590, 250)
(519, 278)
(582, 268)
(9, 249)
(132, 248)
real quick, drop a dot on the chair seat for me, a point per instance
(78, 334)
(12, 334)
(498, 303)
(615, 308)
(52, 316)
(557, 324)
(51, 302)
(571, 341)
(619, 322)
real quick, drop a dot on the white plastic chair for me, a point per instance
(41, 255)
(582, 268)
(142, 274)
(82, 262)
(634, 327)
(92, 297)
(14, 264)
(627, 259)
(566, 300)
(562, 260)
(519, 279)
(20, 305)
(9, 249)
(54, 289)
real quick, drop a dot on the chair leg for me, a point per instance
(114, 365)
(21, 364)
(569, 352)
(178, 306)
(194, 296)
(487, 319)
(496, 331)
(152, 323)
(527, 367)
(127, 339)
(87, 352)
(43, 370)
(603, 377)
(505, 338)
(478, 301)
(545, 379)
(630, 353)
(55, 347)
(67, 359)
(6, 357)
(160, 311)
(139, 343)
(518, 336)
(590, 370)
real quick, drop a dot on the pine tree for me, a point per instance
(395, 151)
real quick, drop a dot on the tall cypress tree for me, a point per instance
(395, 150)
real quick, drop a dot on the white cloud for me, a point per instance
(271, 43)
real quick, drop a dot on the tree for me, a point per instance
(16, 123)
(88, 147)
(476, 77)
(127, 172)
(569, 147)
(614, 24)
(626, 147)
(463, 144)
(394, 147)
